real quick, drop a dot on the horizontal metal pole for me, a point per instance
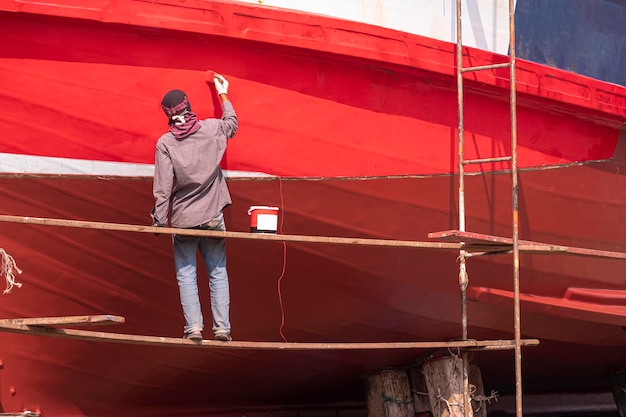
(485, 67)
(484, 160)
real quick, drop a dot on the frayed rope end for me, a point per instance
(8, 268)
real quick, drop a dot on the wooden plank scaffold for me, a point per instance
(57, 326)
(472, 243)
(49, 326)
(453, 240)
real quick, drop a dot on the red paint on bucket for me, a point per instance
(263, 219)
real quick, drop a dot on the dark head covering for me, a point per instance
(183, 122)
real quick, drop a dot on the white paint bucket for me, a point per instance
(263, 219)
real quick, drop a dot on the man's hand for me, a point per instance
(221, 84)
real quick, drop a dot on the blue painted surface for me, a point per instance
(584, 36)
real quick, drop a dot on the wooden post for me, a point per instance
(421, 403)
(618, 386)
(477, 390)
(421, 400)
(389, 394)
(444, 379)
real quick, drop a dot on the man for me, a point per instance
(188, 178)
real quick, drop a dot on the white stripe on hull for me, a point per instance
(44, 165)
(485, 22)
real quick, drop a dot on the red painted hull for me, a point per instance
(360, 134)
(94, 90)
(329, 293)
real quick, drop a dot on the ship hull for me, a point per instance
(349, 130)
(327, 293)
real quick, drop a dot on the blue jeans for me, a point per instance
(213, 252)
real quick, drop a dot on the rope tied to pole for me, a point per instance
(449, 404)
(387, 400)
(8, 268)
(463, 276)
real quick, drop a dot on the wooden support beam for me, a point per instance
(444, 379)
(477, 391)
(94, 336)
(421, 399)
(65, 321)
(419, 390)
(389, 394)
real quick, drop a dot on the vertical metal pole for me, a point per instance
(516, 313)
(461, 157)
(459, 85)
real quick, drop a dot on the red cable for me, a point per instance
(282, 274)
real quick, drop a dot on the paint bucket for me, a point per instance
(263, 219)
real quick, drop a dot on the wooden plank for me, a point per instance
(450, 239)
(470, 239)
(66, 321)
(266, 237)
(595, 253)
(22, 414)
(94, 336)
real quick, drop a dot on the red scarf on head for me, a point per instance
(183, 122)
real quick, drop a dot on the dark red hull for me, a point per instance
(329, 293)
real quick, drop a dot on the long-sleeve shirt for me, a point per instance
(188, 180)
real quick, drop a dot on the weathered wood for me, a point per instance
(618, 386)
(471, 240)
(389, 394)
(477, 391)
(421, 402)
(270, 237)
(94, 336)
(66, 321)
(444, 379)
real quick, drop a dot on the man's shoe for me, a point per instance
(223, 337)
(195, 336)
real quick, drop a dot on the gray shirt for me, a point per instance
(188, 180)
